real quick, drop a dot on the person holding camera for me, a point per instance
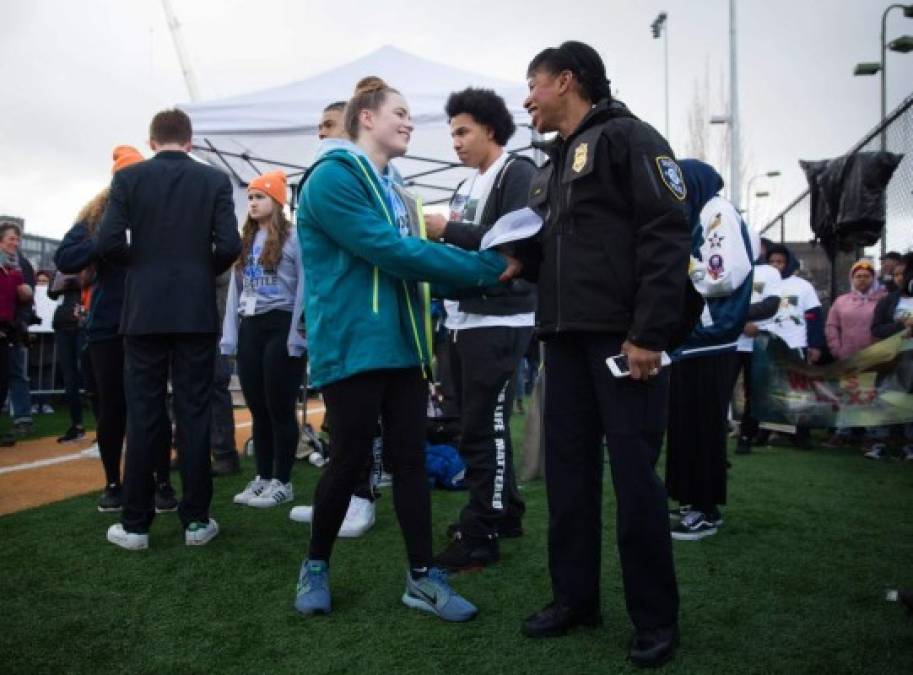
(14, 292)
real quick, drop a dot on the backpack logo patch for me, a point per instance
(671, 174)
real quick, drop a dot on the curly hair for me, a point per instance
(486, 108)
(277, 233)
(91, 213)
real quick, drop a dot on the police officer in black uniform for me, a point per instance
(611, 263)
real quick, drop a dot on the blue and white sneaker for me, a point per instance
(431, 593)
(313, 593)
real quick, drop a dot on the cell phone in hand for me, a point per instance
(619, 367)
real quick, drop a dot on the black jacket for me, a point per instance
(613, 252)
(509, 192)
(183, 234)
(883, 323)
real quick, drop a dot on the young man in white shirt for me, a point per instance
(489, 334)
(799, 321)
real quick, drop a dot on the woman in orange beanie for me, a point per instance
(76, 255)
(263, 325)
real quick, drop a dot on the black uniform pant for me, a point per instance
(270, 380)
(191, 361)
(107, 360)
(701, 389)
(583, 404)
(399, 397)
(483, 363)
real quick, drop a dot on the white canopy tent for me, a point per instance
(277, 128)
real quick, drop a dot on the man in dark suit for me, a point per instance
(183, 234)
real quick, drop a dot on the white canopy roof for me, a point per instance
(277, 128)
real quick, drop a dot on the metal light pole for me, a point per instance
(734, 147)
(660, 28)
(870, 68)
(766, 174)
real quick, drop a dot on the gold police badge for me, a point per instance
(579, 158)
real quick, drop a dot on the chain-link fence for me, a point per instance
(895, 134)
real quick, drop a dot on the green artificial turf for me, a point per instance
(793, 583)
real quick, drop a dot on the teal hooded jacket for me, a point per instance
(364, 306)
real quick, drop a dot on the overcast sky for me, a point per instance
(81, 77)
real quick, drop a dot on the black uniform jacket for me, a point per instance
(613, 252)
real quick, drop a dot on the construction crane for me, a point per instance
(175, 27)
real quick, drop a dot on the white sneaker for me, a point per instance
(908, 452)
(301, 514)
(198, 534)
(275, 493)
(47, 409)
(877, 451)
(132, 541)
(359, 517)
(317, 459)
(253, 489)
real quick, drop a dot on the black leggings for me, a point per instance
(270, 380)
(399, 397)
(107, 359)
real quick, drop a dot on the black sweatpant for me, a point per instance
(584, 403)
(483, 364)
(270, 381)
(190, 357)
(69, 348)
(700, 392)
(399, 397)
(107, 360)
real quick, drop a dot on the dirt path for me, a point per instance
(41, 471)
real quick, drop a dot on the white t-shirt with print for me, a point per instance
(467, 205)
(904, 309)
(766, 284)
(797, 297)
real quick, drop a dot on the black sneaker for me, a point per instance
(468, 554)
(165, 501)
(511, 528)
(226, 466)
(110, 500)
(696, 525)
(73, 434)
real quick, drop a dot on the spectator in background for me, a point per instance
(14, 292)
(43, 332)
(849, 328)
(798, 322)
(265, 293)
(889, 262)
(68, 330)
(20, 395)
(894, 314)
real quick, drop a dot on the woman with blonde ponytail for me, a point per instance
(364, 254)
(261, 325)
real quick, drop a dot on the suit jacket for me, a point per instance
(183, 234)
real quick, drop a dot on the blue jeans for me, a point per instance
(20, 387)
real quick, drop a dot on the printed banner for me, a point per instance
(871, 388)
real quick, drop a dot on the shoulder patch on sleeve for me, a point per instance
(671, 173)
